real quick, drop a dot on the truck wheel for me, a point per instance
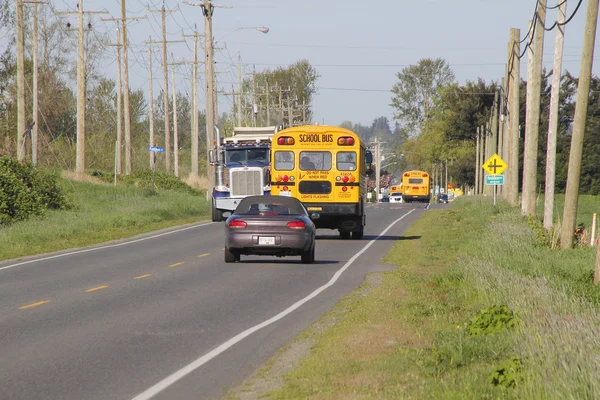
(344, 235)
(217, 215)
(358, 234)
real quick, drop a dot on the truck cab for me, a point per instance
(242, 168)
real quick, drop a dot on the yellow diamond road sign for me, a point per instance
(494, 165)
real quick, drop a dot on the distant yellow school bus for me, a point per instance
(416, 185)
(325, 167)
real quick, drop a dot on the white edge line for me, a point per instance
(103, 247)
(176, 376)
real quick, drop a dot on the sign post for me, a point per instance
(154, 149)
(494, 166)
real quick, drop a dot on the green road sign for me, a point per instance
(494, 179)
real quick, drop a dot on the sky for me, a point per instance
(357, 47)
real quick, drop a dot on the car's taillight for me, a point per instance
(237, 224)
(296, 225)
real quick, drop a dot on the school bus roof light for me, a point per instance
(285, 140)
(346, 141)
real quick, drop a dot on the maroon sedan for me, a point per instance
(270, 226)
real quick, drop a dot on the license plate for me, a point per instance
(266, 240)
(315, 208)
(285, 193)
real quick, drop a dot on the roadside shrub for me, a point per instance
(26, 191)
(143, 179)
(508, 374)
(492, 320)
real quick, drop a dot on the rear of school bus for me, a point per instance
(416, 186)
(325, 168)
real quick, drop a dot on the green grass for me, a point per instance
(412, 337)
(101, 213)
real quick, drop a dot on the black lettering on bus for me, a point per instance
(310, 138)
(327, 137)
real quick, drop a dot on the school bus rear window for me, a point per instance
(284, 160)
(415, 181)
(315, 161)
(346, 161)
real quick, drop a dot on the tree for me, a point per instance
(417, 91)
(300, 77)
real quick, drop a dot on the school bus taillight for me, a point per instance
(285, 140)
(346, 141)
(286, 178)
(345, 178)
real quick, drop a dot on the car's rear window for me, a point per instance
(279, 205)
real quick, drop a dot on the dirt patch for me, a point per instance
(75, 176)
(197, 182)
(271, 376)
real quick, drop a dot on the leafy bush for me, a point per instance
(143, 179)
(492, 320)
(508, 373)
(26, 191)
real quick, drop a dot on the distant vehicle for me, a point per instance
(416, 186)
(396, 198)
(270, 226)
(385, 198)
(396, 194)
(442, 198)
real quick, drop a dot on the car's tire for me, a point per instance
(308, 257)
(358, 234)
(344, 235)
(229, 256)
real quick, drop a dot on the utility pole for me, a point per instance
(118, 156)
(477, 164)
(125, 44)
(281, 105)
(81, 95)
(151, 105)
(532, 125)
(487, 189)
(175, 130)
(254, 105)
(482, 156)
(194, 131)
(513, 163)
(126, 78)
(268, 107)
(20, 81)
(34, 131)
(164, 42)
(80, 161)
(240, 90)
(583, 88)
(501, 124)
(553, 123)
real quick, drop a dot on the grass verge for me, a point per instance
(479, 307)
(101, 213)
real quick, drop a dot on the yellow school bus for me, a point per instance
(416, 186)
(325, 167)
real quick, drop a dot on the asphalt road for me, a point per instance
(163, 317)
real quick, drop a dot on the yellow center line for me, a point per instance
(204, 255)
(175, 265)
(39, 303)
(96, 288)
(143, 276)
